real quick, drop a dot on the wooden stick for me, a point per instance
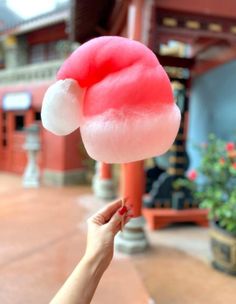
(122, 220)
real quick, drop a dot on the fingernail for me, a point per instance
(126, 199)
(123, 210)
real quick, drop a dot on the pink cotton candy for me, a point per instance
(127, 107)
(125, 137)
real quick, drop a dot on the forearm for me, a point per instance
(82, 283)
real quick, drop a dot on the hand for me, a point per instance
(102, 228)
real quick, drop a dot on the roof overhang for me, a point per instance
(37, 23)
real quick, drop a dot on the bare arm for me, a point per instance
(102, 228)
(81, 285)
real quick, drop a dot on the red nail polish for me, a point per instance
(123, 210)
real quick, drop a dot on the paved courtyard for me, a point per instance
(42, 237)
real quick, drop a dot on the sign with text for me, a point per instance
(16, 101)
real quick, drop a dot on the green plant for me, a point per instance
(217, 189)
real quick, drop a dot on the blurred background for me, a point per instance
(181, 248)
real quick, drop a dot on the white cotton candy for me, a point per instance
(61, 107)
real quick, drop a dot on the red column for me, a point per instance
(105, 171)
(133, 180)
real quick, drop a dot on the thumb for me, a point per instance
(117, 218)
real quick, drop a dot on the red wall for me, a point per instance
(57, 153)
(36, 90)
(61, 153)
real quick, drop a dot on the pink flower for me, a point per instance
(234, 166)
(230, 146)
(222, 161)
(192, 175)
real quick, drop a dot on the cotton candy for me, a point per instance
(61, 119)
(121, 98)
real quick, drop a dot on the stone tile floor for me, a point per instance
(42, 237)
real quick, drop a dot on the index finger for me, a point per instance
(108, 211)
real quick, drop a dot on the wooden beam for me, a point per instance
(176, 61)
(194, 34)
(118, 18)
(164, 38)
(101, 31)
(203, 7)
(200, 47)
(204, 66)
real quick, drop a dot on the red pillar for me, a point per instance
(133, 180)
(132, 239)
(105, 171)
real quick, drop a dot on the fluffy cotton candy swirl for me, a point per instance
(127, 110)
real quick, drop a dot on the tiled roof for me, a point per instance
(12, 21)
(8, 18)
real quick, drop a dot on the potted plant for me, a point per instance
(216, 191)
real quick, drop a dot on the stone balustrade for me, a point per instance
(34, 72)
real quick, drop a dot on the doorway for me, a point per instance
(12, 154)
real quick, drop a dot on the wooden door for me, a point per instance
(3, 141)
(12, 154)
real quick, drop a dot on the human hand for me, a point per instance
(102, 228)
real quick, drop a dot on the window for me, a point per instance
(4, 129)
(19, 122)
(43, 52)
(52, 52)
(37, 116)
(4, 142)
(37, 53)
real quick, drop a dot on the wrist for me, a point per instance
(94, 262)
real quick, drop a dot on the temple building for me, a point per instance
(194, 41)
(31, 51)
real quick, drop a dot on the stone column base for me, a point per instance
(31, 177)
(132, 239)
(63, 178)
(31, 174)
(104, 188)
(31, 183)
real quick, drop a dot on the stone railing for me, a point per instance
(34, 72)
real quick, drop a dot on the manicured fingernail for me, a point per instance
(123, 210)
(126, 199)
